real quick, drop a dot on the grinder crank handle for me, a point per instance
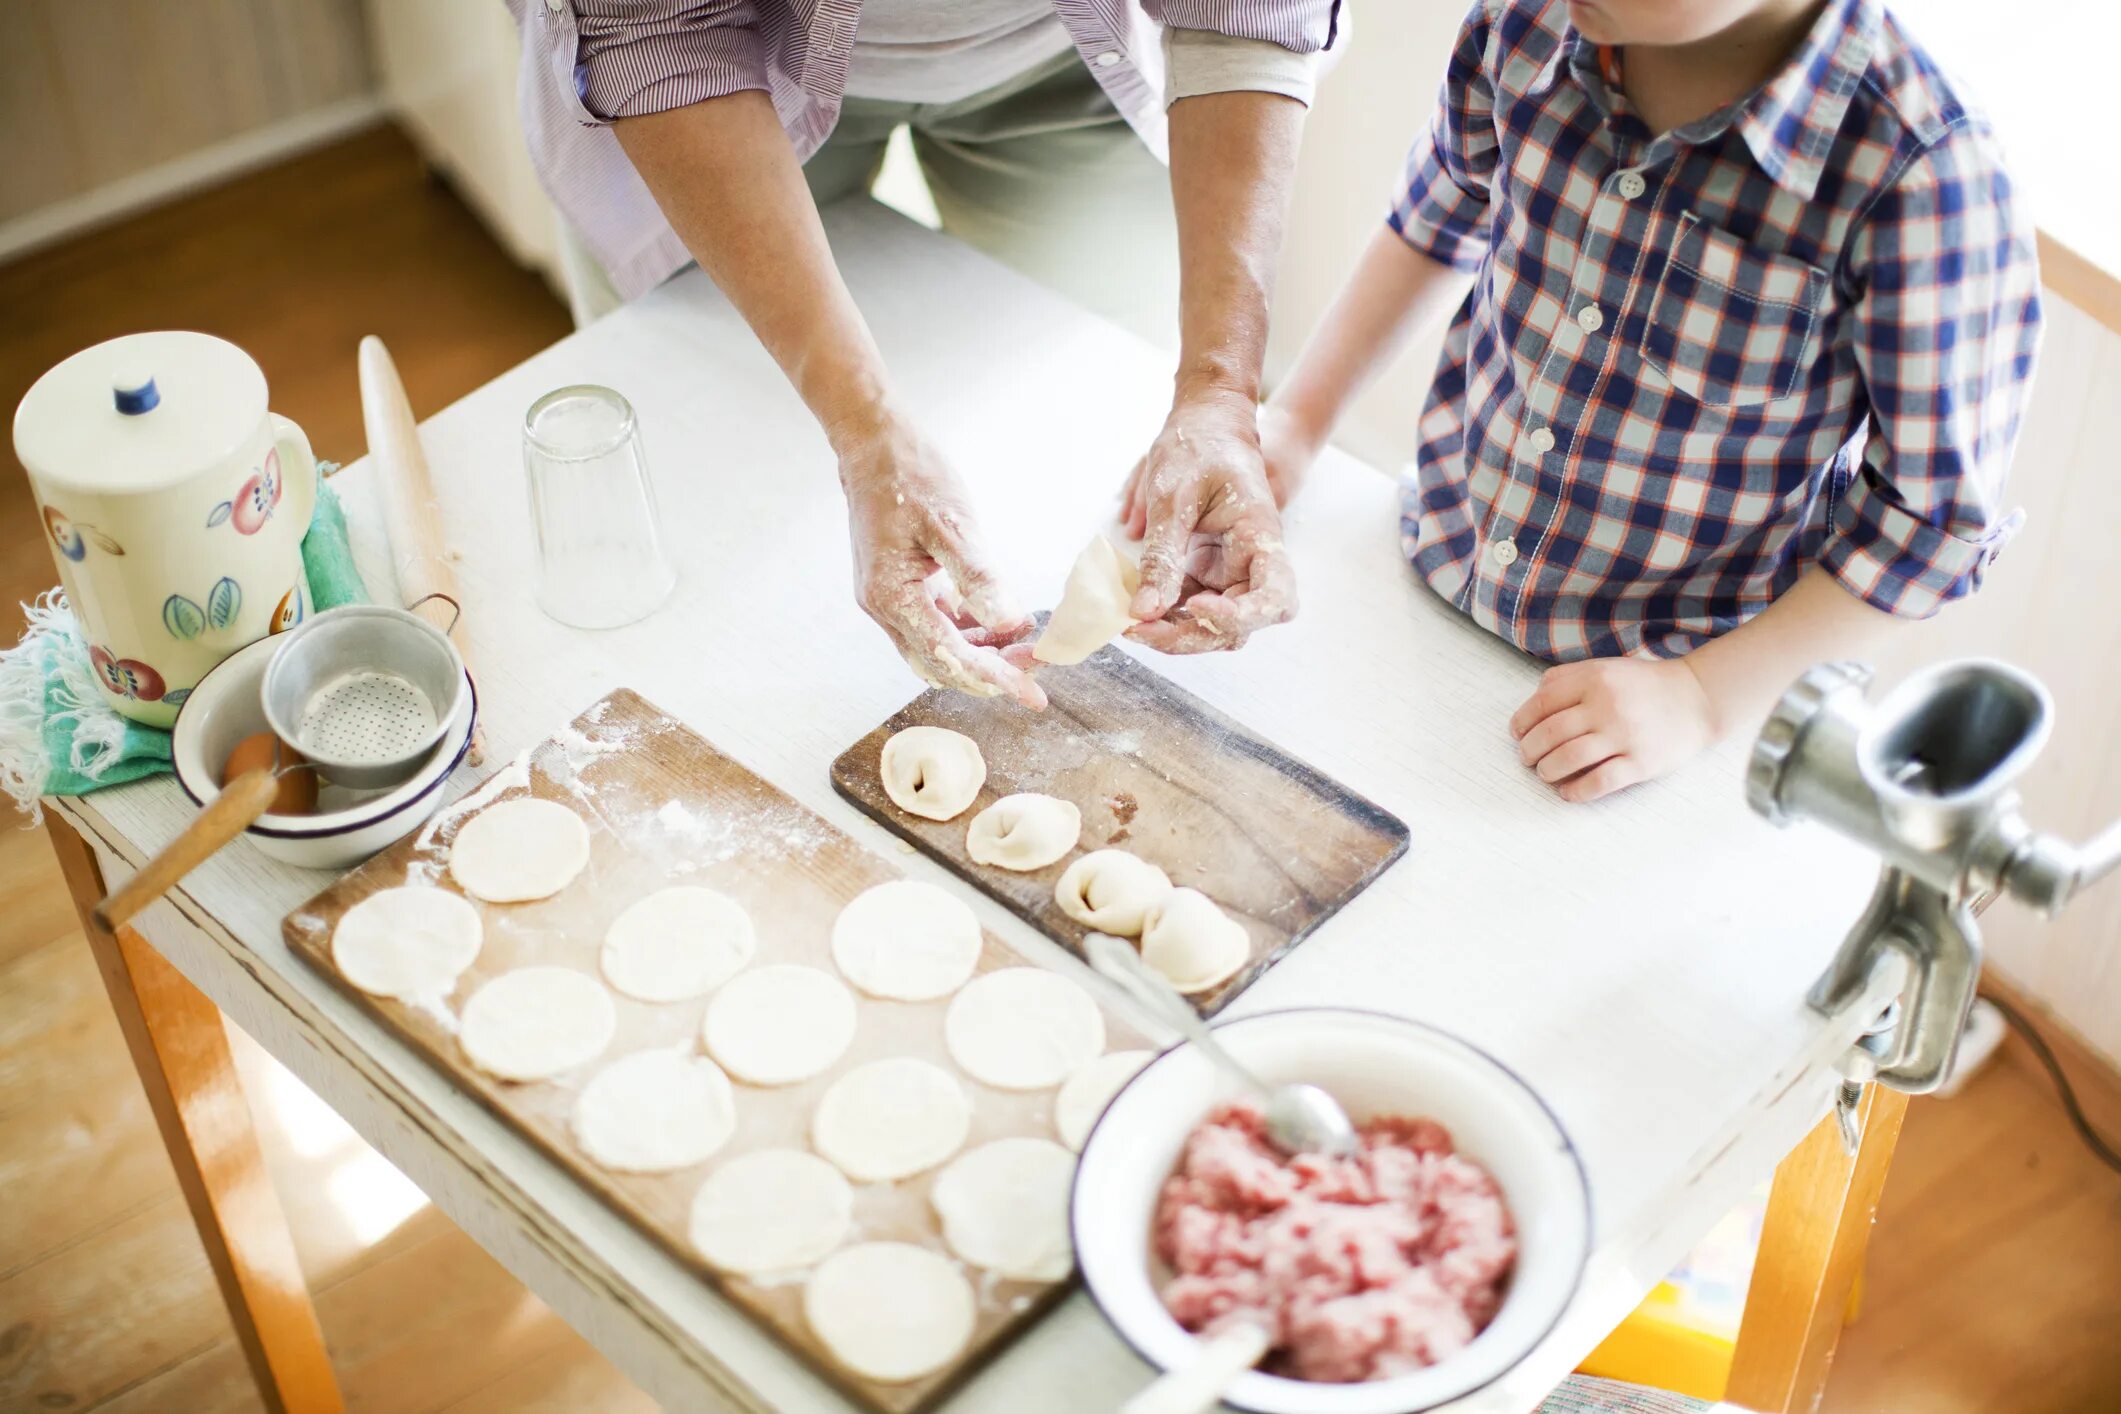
(240, 803)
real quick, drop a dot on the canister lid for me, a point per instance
(140, 412)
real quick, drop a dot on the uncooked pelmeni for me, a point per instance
(1085, 1093)
(1094, 606)
(1022, 1028)
(771, 1211)
(777, 1025)
(410, 943)
(654, 1111)
(1110, 890)
(890, 1119)
(890, 1311)
(932, 772)
(1194, 944)
(906, 940)
(677, 943)
(1023, 832)
(1004, 1207)
(535, 1022)
(519, 850)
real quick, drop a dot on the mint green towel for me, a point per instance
(57, 734)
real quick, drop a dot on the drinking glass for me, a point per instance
(592, 507)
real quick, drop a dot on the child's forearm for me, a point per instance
(1744, 672)
(1393, 293)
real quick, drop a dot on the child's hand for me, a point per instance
(1603, 724)
(1289, 446)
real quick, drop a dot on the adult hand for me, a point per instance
(1602, 724)
(920, 572)
(1214, 569)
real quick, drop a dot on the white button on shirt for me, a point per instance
(1543, 440)
(1107, 59)
(1590, 318)
(1505, 552)
(1632, 185)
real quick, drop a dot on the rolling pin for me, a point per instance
(411, 516)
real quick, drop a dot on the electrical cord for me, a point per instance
(2093, 1140)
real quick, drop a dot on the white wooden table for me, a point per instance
(1640, 961)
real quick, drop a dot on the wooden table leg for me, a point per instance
(1818, 1224)
(181, 1053)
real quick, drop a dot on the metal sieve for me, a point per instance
(364, 692)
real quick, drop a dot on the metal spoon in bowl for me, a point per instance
(1301, 1119)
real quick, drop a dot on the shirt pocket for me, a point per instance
(1730, 326)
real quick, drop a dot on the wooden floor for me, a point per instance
(1995, 1280)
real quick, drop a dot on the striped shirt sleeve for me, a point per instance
(1946, 332)
(648, 56)
(1300, 26)
(1442, 209)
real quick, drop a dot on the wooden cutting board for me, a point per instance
(1157, 771)
(664, 807)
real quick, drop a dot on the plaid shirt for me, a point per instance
(1797, 332)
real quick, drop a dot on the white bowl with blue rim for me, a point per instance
(1374, 1065)
(228, 705)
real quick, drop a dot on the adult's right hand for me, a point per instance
(909, 518)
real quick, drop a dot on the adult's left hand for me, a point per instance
(1214, 569)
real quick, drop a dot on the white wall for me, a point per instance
(2052, 604)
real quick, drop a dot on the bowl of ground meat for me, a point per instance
(1413, 1272)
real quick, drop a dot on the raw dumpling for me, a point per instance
(932, 772)
(1023, 832)
(1194, 944)
(1110, 890)
(519, 850)
(1094, 605)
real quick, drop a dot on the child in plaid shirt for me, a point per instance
(1752, 320)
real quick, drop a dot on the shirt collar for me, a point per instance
(1790, 122)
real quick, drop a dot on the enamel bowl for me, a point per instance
(349, 826)
(1373, 1064)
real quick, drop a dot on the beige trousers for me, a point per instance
(1040, 172)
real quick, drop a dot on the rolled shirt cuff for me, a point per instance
(1200, 61)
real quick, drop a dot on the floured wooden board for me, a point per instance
(1157, 771)
(663, 807)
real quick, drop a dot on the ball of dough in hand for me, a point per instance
(1194, 944)
(1110, 890)
(932, 772)
(1094, 605)
(1023, 832)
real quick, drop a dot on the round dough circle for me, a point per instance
(1024, 832)
(409, 943)
(771, 1211)
(890, 1311)
(535, 1022)
(1088, 1089)
(890, 1119)
(906, 940)
(1022, 1028)
(654, 1111)
(1194, 944)
(777, 1025)
(1110, 890)
(932, 772)
(1004, 1207)
(677, 943)
(519, 850)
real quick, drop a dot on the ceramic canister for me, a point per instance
(175, 505)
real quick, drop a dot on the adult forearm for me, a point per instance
(1232, 159)
(726, 177)
(1394, 293)
(1744, 672)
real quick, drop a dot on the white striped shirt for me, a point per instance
(585, 62)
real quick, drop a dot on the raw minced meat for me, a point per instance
(1359, 1268)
